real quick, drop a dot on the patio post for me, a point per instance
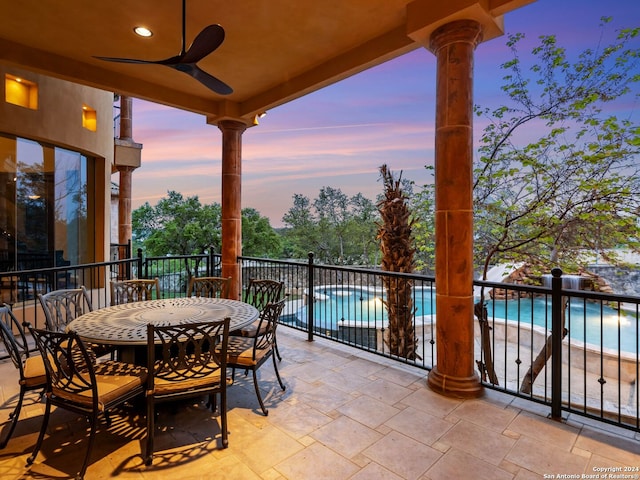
(124, 203)
(127, 157)
(454, 373)
(232, 131)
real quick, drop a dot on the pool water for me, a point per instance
(363, 307)
(587, 322)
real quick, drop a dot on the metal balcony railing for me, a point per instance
(574, 350)
(594, 373)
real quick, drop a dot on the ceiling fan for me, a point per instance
(206, 42)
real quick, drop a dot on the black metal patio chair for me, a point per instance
(136, 290)
(259, 293)
(30, 366)
(212, 287)
(187, 361)
(250, 353)
(77, 384)
(63, 306)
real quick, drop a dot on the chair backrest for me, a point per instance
(69, 366)
(212, 287)
(267, 323)
(13, 337)
(62, 306)
(137, 290)
(187, 354)
(260, 292)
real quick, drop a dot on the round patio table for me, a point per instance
(125, 325)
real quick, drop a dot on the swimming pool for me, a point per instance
(592, 323)
(587, 322)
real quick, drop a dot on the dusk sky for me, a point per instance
(340, 136)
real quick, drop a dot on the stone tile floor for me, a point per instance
(344, 415)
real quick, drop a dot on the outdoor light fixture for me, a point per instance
(258, 116)
(142, 31)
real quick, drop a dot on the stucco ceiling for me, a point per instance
(274, 50)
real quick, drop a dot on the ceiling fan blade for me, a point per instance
(210, 38)
(123, 60)
(206, 42)
(209, 81)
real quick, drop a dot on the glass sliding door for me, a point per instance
(44, 215)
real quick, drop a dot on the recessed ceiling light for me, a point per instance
(143, 31)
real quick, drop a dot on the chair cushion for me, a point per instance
(240, 352)
(114, 379)
(162, 386)
(250, 331)
(35, 374)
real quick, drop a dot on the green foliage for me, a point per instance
(336, 228)
(576, 187)
(177, 225)
(184, 226)
(422, 206)
(259, 239)
(573, 188)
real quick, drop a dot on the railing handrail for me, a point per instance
(588, 294)
(83, 266)
(343, 268)
(177, 257)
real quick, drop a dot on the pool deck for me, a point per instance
(345, 414)
(516, 344)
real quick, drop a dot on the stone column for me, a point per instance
(124, 197)
(232, 202)
(126, 118)
(124, 203)
(454, 373)
(127, 157)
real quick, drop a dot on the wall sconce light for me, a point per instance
(258, 116)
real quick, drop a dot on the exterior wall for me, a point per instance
(58, 121)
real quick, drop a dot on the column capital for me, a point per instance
(125, 168)
(459, 31)
(232, 125)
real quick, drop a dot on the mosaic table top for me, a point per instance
(126, 324)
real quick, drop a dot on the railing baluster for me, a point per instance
(310, 298)
(556, 355)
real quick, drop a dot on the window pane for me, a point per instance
(8, 209)
(71, 208)
(43, 206)
(32, 191)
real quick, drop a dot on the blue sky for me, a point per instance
(340, 136)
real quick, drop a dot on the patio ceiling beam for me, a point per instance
(64, 68)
